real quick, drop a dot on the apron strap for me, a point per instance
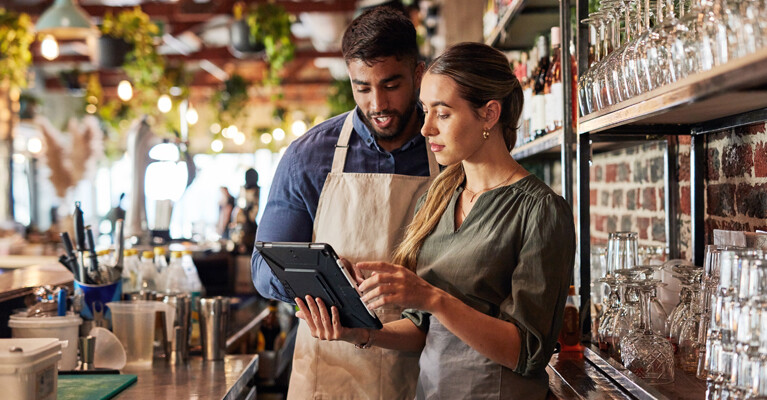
(339, 158)
(342, 147)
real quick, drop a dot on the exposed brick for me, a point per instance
(592, 175)
(631, 150)
(642, 224)
(624, 172)
(685, 201)
(760, 160)
(631, 199)
(685, 139)
(659, 229)
(661, 199)
(593, 197)
(598, 175)
(611, 172)
(612, 223)
(752, 129)
(649, 201)
(640, 172)
(656, 169)
(720, 200)
(725, 134)
(605, 199)
(617, 198)
(752, 200)
(684, 167)
(599, 223)
(626, 223)
(712, 159)
(737, 160)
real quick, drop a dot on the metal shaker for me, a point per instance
(214, 319)
(179, 336)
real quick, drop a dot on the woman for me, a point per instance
(486, 263)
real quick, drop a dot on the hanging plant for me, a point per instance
(341, 98)
(16, 37)
(231, 99)
(143, 64)
(270, 25)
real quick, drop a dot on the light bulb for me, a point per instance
(49, 47)
(34, 145)
(215, 128)
(216, 145)
(164, 104)
(239, 138)
(124, 90)
(278, 134)
(298, 128)
(229, 131)
(266, 138)
(192, 116)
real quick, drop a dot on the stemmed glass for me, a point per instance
(645, 353)
(587, 100)
(621, 255)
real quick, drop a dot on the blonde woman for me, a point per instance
(485, 266)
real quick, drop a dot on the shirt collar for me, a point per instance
(367, 137)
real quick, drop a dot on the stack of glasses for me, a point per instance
(660, 45)
(734, 358)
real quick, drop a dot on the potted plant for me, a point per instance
(16, 38)
(132, 32)
(28, 105)
(240, 38)
(269, 26)
(231, 100)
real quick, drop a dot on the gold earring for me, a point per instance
(485, 134)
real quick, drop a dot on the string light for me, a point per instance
(217, 145)
(49, 47)
(298, 128)
(278, 134)
(124, 90)
(164, 103)
(191, 116)
(266, 138)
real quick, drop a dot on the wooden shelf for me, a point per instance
(733, 88)
(548, 144)
(513, 31)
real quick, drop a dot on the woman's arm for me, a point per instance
(400, 335)
(496, 339)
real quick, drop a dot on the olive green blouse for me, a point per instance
(512, 258)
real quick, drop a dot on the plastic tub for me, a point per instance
(63, 328)
(28, 368)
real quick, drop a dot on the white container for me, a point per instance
(63, 328)
(28, 368)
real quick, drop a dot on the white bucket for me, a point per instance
(28, 368)
(63, 328)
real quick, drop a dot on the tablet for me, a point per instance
(314, 269)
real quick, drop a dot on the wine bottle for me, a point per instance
(538, 116)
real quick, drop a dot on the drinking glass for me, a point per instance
(645, 353)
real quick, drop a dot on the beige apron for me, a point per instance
(364, 217)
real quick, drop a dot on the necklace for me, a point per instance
(475, 194)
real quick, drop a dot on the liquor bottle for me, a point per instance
(570, 335)
(553, 90)
(538, 116)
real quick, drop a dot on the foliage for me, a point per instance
(270, 24)
(232, 99)
(16, 37)
(143, 65)
(341, 97)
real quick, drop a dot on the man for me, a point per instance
(353, 181)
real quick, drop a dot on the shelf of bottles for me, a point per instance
(660, 62)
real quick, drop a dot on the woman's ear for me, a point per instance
(492, 113)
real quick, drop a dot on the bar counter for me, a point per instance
(592, 374)
(229, 379)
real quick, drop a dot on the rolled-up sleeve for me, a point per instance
(286, 218)
(540, 282)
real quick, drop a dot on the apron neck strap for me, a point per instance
(339, 158)
(342, 147)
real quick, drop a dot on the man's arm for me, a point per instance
(286, 219)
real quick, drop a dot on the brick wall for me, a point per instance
(736, 189)
(626, 194)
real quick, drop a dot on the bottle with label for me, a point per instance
(538, 112)
(130, 274)
(570, 335)
(554, 92)
(196, 290)
(161, 265)
(175, 277)
(147, 272)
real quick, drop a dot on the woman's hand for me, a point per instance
(395, 284)
(327, 327)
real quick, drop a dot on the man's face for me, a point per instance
(385, 92)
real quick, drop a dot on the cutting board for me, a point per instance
(92, 387)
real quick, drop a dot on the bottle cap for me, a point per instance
(147, 254)
(556, 36)
(159, 250)
(175, 254)
(571, 292)
(187, 252)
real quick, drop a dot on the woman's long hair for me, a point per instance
(481, 74)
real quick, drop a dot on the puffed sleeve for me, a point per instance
(540, 281)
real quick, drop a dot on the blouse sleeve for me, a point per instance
(540, 282)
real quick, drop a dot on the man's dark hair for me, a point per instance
(378, 33)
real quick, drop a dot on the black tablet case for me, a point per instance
(312, 268)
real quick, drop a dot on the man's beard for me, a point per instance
(390, 135)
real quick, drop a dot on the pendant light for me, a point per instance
(65, 20)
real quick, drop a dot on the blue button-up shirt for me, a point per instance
(301, 173)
